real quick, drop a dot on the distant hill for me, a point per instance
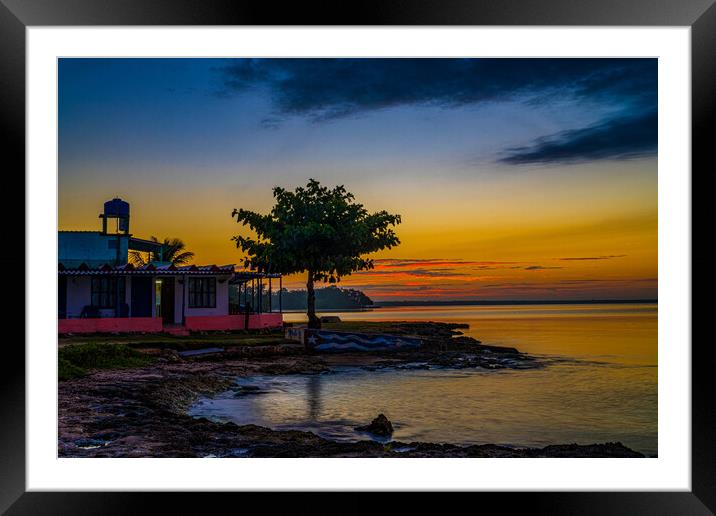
(328, 298)
(336, 298)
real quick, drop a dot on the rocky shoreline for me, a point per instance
(142, 412)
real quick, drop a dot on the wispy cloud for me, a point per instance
(604, 257)
(421, 262)
(541, 268)
(429, 273)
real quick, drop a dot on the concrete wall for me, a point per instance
(92, 248)
(154, 324)
(222, 301)
(181, 293)
(178, 299)
(234, 322)
(111, 325)
(79, 294)
(154, 298)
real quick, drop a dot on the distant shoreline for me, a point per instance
(383, 304)
(393, 304)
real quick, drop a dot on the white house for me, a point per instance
(100, 291)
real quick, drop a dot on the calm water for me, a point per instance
(600, 384)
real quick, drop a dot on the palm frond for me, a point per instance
(172, 250)
(137, 259)
(182, 258)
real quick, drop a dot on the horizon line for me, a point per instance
(516, 301)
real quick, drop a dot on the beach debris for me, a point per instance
(380, 426)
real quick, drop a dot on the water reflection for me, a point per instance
(313, 397)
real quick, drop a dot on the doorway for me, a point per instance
(141, 297)
(165, 299)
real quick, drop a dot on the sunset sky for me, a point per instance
(515, 178)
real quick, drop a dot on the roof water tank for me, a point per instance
(116, 208)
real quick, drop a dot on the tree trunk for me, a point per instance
(313, 321)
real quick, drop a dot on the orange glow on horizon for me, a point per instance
(513, 238)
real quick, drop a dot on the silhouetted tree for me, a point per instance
(316, 230)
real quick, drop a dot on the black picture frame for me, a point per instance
(17, 15)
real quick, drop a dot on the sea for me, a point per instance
(598, 383)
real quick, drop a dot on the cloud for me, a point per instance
(540, 268)
(423, 271)
(625, 137)
(326, 89)
(435, 273)
(609, 280)
(383, 263)
(429, 273)
(604, 257)
(575, 285)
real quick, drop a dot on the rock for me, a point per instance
(330, 319)
(296, 367)
(243, 390)
(380, 426)
(609, 449)
(171, 355)
(142, 413)
(249, 388)
(90, 443)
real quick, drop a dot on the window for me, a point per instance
(202, 292)
(104, 292)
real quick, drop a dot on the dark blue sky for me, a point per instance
(170, 100)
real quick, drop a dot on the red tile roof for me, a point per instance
(170, 269)
(163, 270)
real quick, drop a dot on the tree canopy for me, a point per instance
(315, 229)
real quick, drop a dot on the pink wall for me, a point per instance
(111, 325)
(233, 322)
(154, 324)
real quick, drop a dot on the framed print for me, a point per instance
(435, 248)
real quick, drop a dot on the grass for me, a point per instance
(76, 359)
(67, 370)
(180, 343)
(78, 354)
